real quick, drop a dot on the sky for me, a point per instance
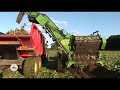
(76, 23)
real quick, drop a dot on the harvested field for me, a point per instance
(109, 69)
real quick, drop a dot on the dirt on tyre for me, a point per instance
(31, 67)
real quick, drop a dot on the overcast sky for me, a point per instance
(77, 23)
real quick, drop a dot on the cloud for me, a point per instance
(75, 32)
(58, 22)
(78, 33)
(28, 27)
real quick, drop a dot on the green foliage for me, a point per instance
(54, 46)
(46, 45)
(45, 73)
(110, 59)
(113, 42)
(9, 74)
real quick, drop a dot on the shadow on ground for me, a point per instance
(103, 72)
(52, 63)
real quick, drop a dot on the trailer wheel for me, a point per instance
(31, 67)
(39, 60)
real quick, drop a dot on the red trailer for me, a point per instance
(23, 51)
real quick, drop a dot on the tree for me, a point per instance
(113, 42)
(46, 44)
(53, 45)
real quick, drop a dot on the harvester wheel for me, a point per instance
(60, 66)
(31, 67)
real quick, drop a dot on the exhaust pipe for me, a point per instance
(19, 17)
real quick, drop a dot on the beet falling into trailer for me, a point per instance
(26, 51)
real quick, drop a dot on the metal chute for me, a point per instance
(19, 17)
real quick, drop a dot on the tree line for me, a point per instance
(113, 42)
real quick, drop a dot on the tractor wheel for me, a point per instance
(31, 67)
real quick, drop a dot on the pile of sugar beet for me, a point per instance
(17, 31)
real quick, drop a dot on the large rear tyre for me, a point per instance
(60, 67)
(31, 67)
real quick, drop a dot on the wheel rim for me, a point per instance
(35, 67)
